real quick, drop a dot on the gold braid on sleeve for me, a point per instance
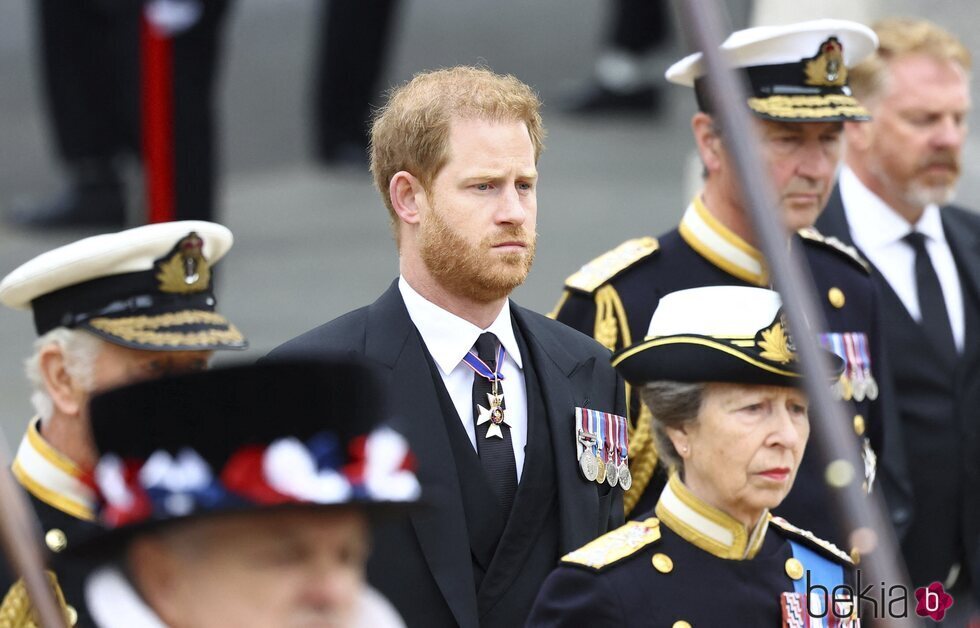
(606, 332)
(643, 459)
(612, 331)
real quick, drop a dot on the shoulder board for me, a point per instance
(612, 547)
(810, 234)
(807, 538)
(17, 610)
(611, 263)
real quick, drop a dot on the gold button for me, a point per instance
(56, 540)
(663, 563)
(681, 624)
(794, 569)
(71, 615)
(836, 297)
(859, 425)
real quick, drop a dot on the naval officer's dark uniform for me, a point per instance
(163, 301)
(62, 502)
(613, 297)
(685, 565)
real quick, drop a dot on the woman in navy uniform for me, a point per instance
(732, 425)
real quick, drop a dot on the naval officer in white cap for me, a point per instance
(108, 310)
(800, 99)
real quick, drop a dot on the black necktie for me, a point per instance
(496, 454)
(932, 305)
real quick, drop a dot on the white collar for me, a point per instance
(877, 224)
(50, 476)
(721, 246)
(449, 337)
(707, 527)
(114, 603)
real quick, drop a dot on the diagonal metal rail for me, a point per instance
(704, 22)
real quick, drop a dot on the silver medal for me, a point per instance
(872, 388)
(589, 465)
(625, 477)
(612, 473)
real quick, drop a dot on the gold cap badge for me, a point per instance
(776, 343)
(185, 269)
(827, 67)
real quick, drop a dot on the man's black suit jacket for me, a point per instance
(931, 466)
(423, 565)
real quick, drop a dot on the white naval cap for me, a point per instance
(148, 287)
(797, 72)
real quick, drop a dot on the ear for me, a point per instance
(681, 439)
(66, 394)
(708, 141)
(408, 197)
(157, 577)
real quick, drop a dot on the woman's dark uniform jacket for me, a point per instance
(613, 298)
(669, 571)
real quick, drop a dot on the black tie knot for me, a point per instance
(486, 348)
(917, 240)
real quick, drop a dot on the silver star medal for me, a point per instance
(494, 414)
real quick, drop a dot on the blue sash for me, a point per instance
(823, 571)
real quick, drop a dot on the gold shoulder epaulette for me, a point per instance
(811, 234)
(812, 540)
(611, 263)
(614, 546)
(17, 611)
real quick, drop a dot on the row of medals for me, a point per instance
(597, 470)
(857, 388)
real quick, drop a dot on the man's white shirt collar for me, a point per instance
(449, 337)
(878, 231)
(875, 223)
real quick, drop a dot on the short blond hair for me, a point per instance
(411, 132)
(900, 36)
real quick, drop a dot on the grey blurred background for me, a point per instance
(311, 243)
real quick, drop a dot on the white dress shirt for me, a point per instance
(878, 230)
(448, 338)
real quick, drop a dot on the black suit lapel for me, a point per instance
(964, 241)
(393, 341)
(565, 384)
(833, 220)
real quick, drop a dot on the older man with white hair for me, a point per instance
(108, 310)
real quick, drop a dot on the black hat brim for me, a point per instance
(704, 359)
